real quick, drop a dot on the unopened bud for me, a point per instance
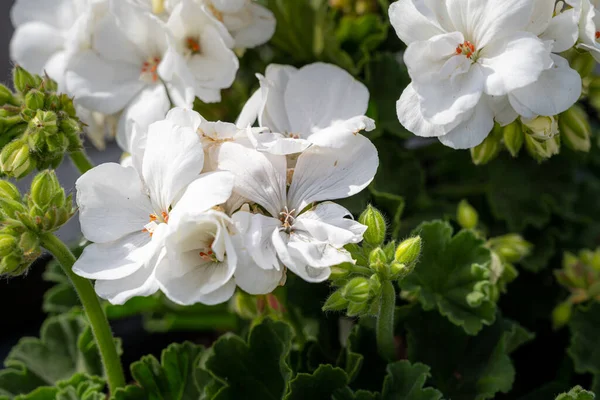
(542, 150)
(11, 208)
(489, 148)
(34, 99)
(23, 80)
(561, 314)
(11, 265)
(8, 245)
(6, 96)
(356, 309)
(378, 260)
(375, 223)
(466, 215)
(44, 189)
(408, 251)
(541, 128)
(9, 191)
(513, 138)
(510, 248)
(30, 245)
(44, 121)
(401, 271)
(245, 305)
(575, 129)
(340, 271)
(356, 290)
(374, 285)
(15, 159)
(335, 302)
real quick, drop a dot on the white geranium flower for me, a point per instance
(305, 238)
(206, 44)
(319, 104)
(125, 210)
(46, 33)
(461, 53)
(589, 25)
(130, 51)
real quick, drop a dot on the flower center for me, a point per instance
(467, 49)
(287, 219)
(193, 45)
(597, 35)
(155, 220)
(208, 255)
(149, 71)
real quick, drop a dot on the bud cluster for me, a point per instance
(541, 136)
(359, 285)
(37, 125)
(580, 275)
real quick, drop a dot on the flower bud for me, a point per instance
(378, 260)
(356, 309)
(30, 245)
(400, 271)
(9, 191)
(11, 208)
(510, 248)
(466, 215)
(542, 150)
(561, 314)
(245, 305)
(44, 121)
(6, 96)
(356, 290)
(23, 80)
(375, 223)
(575, 129)
(541, 128)
(45, 188)
(8, 244)
(374, 285)
(15, 159)
(11, 265)
(340, 271)
(335, 302)
(48, 84)
(408, 251)
(513, 138)
(489, 148)
(34, 99)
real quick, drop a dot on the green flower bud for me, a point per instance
(48, 84)
(510, 248)
(356, 309)
(30, 245)
(408, 251)
(542, 150)
(23, 80)
(378, 260)
(11, 208)
(513, 138)
(466, 215)
(6, 96)
(375, 223)
(541, 128)
(57, 143)
(340, 271)
(335, 302)
(561, 314)
(356, 290)
(45, 188)
(400, 271)
(245, 305)
(34, 99)
(70, 126)
(15, 159)
(8, 245)
(44, 121)
(66, 105)
(489, 148)
(390, 249)
(583, 63)
(575, 129)
(374, 285)
(12, 265)
(9, 191)
(52, 102)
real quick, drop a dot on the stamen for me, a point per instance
(149, 72)
(193, 45)
(597, 35)
(467, 49)
(287, 218)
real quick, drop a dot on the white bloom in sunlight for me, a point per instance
(304, 237)
(318, 104)
(460, 55)
(206, 45)
(130, 55)
(589, 25)
(46, 34)
(249, 23)
(125, 210)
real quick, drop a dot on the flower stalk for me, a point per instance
(385, 322)
(81, 161)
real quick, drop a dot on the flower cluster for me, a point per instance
(473, 63)
(202, 207)
(132, 60)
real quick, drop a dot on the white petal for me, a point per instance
(185, 117)
(320, 94)
(115, 260)
(100, 85)
(503, 111)
(33, 44)
(250, 110)
(112, 203)
(341, 133)
(328, 174)
(249, 276)
(541, 15)
(317, 254)
(219, 296)
(178, 78)
(473, 130)
(413, 20)
(557, 89)
(257, 239)
(209, 190)
(258, 177)
(149, 106)
(273, 114)
(426, 60)
(228, 5)
(563, 29)
(174, 158)
(331, 223)
(258, 29)
(105, 36)
(514, 62)
(58, 13)
(410, 116)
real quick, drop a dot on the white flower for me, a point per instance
(588, 12)
(125, 210)
(46, 33)
(305, 238)
(206, 45)
(318, 104)
(461, 53)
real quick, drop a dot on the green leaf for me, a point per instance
(173, 378)
(258, 368)
(60, 298)
(64, 348)
(464, 367)
(405, 381)
(320, 385)
(79, 387)
(585, 340)
(452, 276)
(577, 393)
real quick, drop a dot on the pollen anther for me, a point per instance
(467, 49)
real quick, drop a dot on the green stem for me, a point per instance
(93, 309)
(385, 322)
(81, 161)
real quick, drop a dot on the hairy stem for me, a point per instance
(81, 161)
(98, 321)
(385, 322)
